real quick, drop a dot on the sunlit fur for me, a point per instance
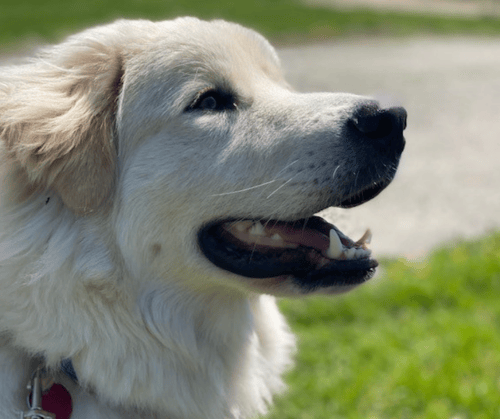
(105, 179)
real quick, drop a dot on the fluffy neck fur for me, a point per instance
(135, 343)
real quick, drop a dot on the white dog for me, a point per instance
(158, 185)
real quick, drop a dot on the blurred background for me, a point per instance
(422, 339)
(25, 21)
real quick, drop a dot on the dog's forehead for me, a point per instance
(215, 48)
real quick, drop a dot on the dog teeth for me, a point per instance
(254, 232)
(242, 226)
(336, 248)
(257, 229)
(365, 238)
(337, 251)
(350, 253)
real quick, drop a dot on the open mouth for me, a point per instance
(311, 251)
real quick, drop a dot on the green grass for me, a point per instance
(49, 20)
(422, 341)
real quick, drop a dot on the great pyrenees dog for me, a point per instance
(158, 185)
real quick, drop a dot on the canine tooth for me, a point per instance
(276, 237)
(365, 238)
(335, 249)
(349, 253)
(257, 229)
(242, 226)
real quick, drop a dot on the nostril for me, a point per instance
(378, 123)
(367, 119)
(400, 116)
(378, 126)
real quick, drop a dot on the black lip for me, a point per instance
(364, 195)
(339, 273)
(221, 249)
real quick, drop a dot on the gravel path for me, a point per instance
(448, 183)
(443, 7)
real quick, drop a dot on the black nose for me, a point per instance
(384, 127)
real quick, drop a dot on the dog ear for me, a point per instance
(57, 117)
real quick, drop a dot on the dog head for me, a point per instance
(186, 138)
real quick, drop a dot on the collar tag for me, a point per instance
(34, 400)
(46, 397)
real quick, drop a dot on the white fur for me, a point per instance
(105, 181)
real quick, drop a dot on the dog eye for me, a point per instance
(213, 100)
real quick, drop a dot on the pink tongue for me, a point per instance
(301, 236)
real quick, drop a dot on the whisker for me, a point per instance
(277, 189)
(286, 167)
(246, 189)
(335, 172)
(254, 249)
(261, 185)
(304, 226)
